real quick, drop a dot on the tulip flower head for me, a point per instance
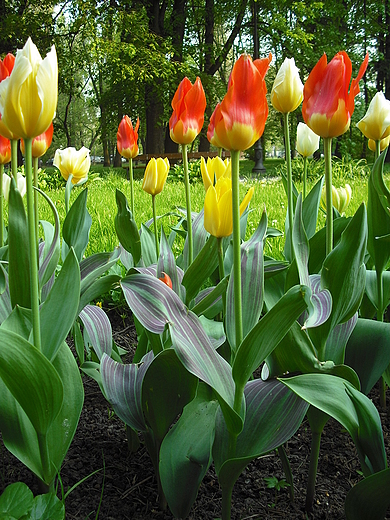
(376, 123)
(211, 135)
(6, 67)
(189, 104)
(166, 279)
(384, 143)
(327, 104)
(5, 150)
(127, 138)
(28, 97)
(213, 169)
(287, 90)
(21, 185)
(239, 120)
(156, 174)
(40, 144)
(218, 210)
(307, 141)
(341, 198)
(73, 162)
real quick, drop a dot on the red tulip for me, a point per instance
(327, 105)
(189, 104)
(5, 150)
(40, 144)
(239, 120)
(127, 138)
(166, 279)
(6, 67)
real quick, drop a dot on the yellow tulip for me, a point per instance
(213, 170)
(383, 144)
(376, 123)
(28, 97)
(287, 90)
(73, 162)
(218, 211)
(307, 141)
(156, 174)
(341, 198)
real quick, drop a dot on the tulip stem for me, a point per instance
(131, 185)
(290, 208)
(32, 245)
(36, 213)
(304, 176)
(377, 149)
(328, 191)
(188, 203)
(1, 206)
(14, 159)
(155, 225)
(235, 155)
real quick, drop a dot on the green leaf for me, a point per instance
(208, 298)
(167, 387)
(370, 498)
(19, 262)
(185, 454)
(368, 351)
(47, 506)
(148, 245)
(16, 500)
(60, 307)
(318, 244)
(310, 208)
(167, 264)
(372, 288)
(340, 399)
(76, 227)
(126, 227)
(51, 252)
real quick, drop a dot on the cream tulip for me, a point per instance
(376, 123)
(384, 143)
(307, 141)
(21, 185)
(341, 198)
(287, 90)
(73, 162)
(28, 97)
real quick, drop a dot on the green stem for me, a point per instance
(236, 246)
(379, 317)
(226, 502)
(32, 245)
(290, 208)
(14, 159)
(328, 191)
(221, 273)
(155, 225)
(45, 457)
(36, 212)
(377, 149)
(131, 185)
(188, 203)
(68, 189)
(219, 152)
(1, 206)
(304, 176)
(314, 454)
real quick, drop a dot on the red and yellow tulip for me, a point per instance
(5, 150)
(40, 144)
(189, 104)
(327, 103)
(239, 120)
(127, 138)
(6, 67)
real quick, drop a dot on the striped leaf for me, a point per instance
(338, 339)
(5, 299)
(252, 285)
(199, 236)
(148, 246)
(369, 499)
(98, 327)
(155, 306)
(123, 387)
(51, 253)
(167, 264)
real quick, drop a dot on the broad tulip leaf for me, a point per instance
(310, 208)
(95, 266)
(273, 415)
(99, 330)
(252, 285)
(123, 387)
(269, 331)
(372, 289)
(167, 264)
(214, 330)
(19, 321)
(19, 262)
(185, 454)
(95, 290)
(338, 339)
(209, 299)
(126, 258)
(47, 506)
(148, 246)
(344, 274)
(368, 351)
(76, 226)
(317, 244)
(369, 499)
(16, 500)
(60, 307)
(202, 267)
(340, 399)
(126, 227)
(156, 306)
(41, 394)
(166, 388)
(5, 299)
(51, 252)
(199, 237)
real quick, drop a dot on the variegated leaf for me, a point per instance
(98, 327)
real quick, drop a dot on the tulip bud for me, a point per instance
(5, 150)
(376, 123)
(341, 198)
(156, 174)
(73, 162)
(127, 138)
(384, 143)
(214, 169)
(307, 141)
(28, 97)
(287, 91)
(21, 185)
(166, 279)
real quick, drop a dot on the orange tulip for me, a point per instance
(239, 120)
(40, 144)
(327, 105)
(5, 150)
(6, 67)
(127, 138)
(189, 104)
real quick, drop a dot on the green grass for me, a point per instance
(269, 194)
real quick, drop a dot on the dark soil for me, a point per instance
(125, 487)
